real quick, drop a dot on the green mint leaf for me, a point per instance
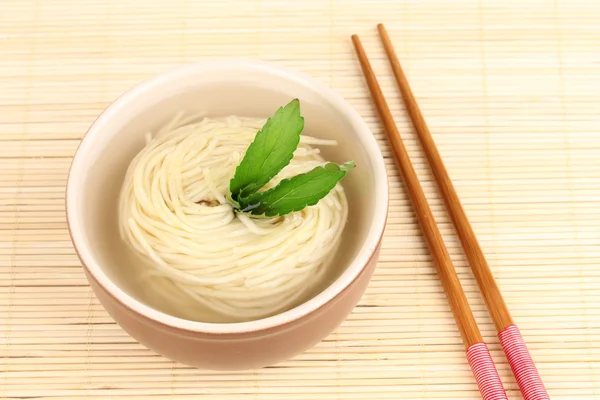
(233, 202)
(297, 192)
(272, 149)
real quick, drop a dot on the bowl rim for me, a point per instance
(350, 274)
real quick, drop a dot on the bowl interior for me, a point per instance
(118, 135)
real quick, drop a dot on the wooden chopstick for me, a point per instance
(514, 346)
(478, 355)
(483, 275)
(456, 297)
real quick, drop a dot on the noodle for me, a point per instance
(194, 256)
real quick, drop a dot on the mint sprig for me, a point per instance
(270, 152)
(272, 149)
(298, 192)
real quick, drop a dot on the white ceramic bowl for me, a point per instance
(218, 88)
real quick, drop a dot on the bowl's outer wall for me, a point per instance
(239, 351)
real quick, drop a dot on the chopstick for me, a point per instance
(478, 355)
(514, 346)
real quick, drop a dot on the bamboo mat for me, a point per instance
(511, 91)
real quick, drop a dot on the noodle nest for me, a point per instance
(194, 256)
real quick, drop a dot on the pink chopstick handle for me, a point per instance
(522, 365)
(486, 375)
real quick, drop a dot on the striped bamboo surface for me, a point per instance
(510, 89)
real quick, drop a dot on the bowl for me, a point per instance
(220, 88)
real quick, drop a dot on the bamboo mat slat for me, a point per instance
(510, 89)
